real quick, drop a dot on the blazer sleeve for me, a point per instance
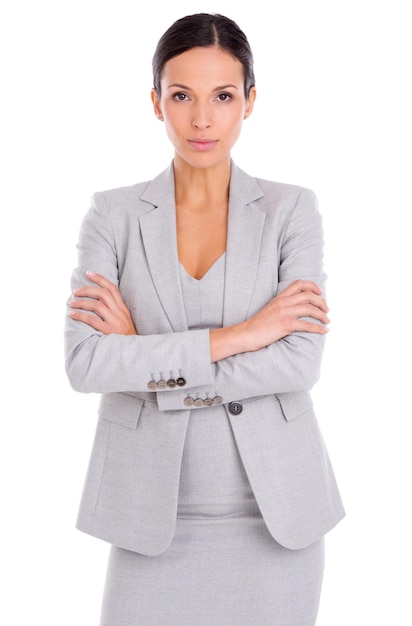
(293, 363)
(114, 363)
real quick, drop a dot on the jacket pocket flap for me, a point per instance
(121, 408)
(295, 404)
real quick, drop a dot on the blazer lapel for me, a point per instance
(245, 228)
(158, 228)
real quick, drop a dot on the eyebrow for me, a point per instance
(220, 88)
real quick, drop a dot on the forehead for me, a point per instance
(203, 66)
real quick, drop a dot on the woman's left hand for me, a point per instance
(106, 302)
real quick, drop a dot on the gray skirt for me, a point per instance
(223, 567)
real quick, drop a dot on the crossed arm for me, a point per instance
(277, 349)
(299, 308)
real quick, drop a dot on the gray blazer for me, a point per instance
(131, 489)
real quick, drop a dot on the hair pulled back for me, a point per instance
(203, 30)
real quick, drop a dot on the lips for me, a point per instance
(202, 145)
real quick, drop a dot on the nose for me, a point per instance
(201, 123)
(201, 118)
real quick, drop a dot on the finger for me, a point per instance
(94, 306)
(91, 320)
(310, 327)
(302, 285)
(288, 303)
(110, 296)
(99, 279)
(99, 294)
(103, 320)
(308, 297)
(308, 310)
(106, 284)
(90, 291)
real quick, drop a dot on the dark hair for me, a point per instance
(204, 30)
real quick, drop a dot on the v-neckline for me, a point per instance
(210, 268)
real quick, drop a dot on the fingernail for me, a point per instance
(90, 273)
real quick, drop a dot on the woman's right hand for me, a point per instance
(102, 307)
(284, 314)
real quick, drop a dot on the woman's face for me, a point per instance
(203, 104)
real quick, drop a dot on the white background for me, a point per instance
(333, 113)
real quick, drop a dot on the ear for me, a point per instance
(250, 103)
(156, 104)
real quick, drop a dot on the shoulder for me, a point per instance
(120, 198)
(272, 196)
(136, 198)
(283, 191)
(287, 199)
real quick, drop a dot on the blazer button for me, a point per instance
(152, 385)
(217, 400)
(188, 401)
(181, 382)
(161, 384)
(208, 402)
(171, 383)
(198, 402)
(235, 408)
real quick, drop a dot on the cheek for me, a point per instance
(236, 129)
(173, 133)
(169, 132)
(174, 120)
(233, 120)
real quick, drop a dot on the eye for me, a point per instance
(224, 97)
(180, 96)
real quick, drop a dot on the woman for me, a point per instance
(202, 325)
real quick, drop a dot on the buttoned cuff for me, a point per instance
(173, 384)
(188, 399)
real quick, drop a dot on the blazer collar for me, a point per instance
(245, 227)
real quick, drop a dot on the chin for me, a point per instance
(204, 160)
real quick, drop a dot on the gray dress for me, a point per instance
(223, 567)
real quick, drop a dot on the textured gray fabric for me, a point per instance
(223, 568)
(131, 489)
(227, 572)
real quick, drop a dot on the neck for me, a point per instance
(200, 186)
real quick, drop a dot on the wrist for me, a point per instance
(228, 341)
